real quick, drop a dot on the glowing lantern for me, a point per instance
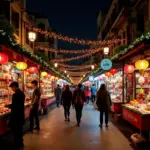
(141, 80)
(33, 69)
(106, 50)
(32, 36)
(21, 65)
(113, 71)
(108, 74)
(48, 75)
(3, 58)
(56, 65)
(142, 64)
(129, 69)
(92, 67)
(43, 74)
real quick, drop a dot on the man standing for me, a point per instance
(93, 92)
(58, 92)
(17, 115)
(34, 113)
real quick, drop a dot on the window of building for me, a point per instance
(140, 22)
(41, 38)
(15, 21)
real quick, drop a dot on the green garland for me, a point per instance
(8, 40)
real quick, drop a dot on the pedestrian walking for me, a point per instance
(17, 119)
(66, 101)
(87, 93)
(34, 112)
(93, 92)
(78, 102)
(58, 92)
(103, 103)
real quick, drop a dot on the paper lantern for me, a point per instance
(106, 50)
(3, 58)
(32, 36)
(129, 69)
(21, 65)
(92, 67)
(43, 74)
(141, 80)
(33, 69)
(141, 64)
(113, 71)
(108, 74)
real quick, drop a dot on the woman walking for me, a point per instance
(66, 101)
(103, 103)
(87, 93)
(78, 102)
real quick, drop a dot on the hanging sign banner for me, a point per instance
(106, 64)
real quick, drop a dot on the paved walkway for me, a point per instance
(55, 134)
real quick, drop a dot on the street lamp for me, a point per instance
(56, 65)
(92, 67)
(106, 50)
(32, 36)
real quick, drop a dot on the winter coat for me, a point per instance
(103, 100)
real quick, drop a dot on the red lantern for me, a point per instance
(129, 69)
(33, 69)
(3, 58)
(113, 71)
(108, 74)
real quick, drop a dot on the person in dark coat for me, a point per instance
(17, 117)
(78, 102)
(66, 100)
(103, 103)
(34, 112)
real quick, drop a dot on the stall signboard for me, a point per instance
(106, 64)
(91, 78)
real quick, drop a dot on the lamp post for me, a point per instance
(106, 50)
(32, 38)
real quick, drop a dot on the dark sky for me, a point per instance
(75, 18)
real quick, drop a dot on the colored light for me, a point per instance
(33, 69)
(141, 64)
(43, 74)
(129, 69)
(21, 65)
(3, 58)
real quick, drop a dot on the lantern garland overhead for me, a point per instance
(142, 64)
(73, 40)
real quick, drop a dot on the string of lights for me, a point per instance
(73, 40)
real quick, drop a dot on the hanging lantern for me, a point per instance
(56, 65)
(43, 74)
(106, 50)
(48, 75)
(129, 69)
(141, 64)
(32, 36)
(3, 58)
(141, 80)
(113, 71)
(21, 65)
(92, 67)
(33, 69)
(65, 71)
(108, 74)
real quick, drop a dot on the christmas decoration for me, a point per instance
(3, 58)
(141, 64)
(129, 69)
(21, 65)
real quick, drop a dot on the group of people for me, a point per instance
(75, 97)
(17, 117)
(78, 97)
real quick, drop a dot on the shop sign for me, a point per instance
(91, 78)
(106, 64)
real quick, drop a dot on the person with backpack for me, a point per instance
(103, 103)
(78, 102)
(66, 100)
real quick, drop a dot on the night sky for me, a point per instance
(74, 18)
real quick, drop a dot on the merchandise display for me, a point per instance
(115, 87)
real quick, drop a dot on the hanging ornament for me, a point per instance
(141, 64)
(108, 74)
(33, 69)
(141, 80)
(113, 71)
(43, 74)
(3, 58)
(21, 65)
(129, 69)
